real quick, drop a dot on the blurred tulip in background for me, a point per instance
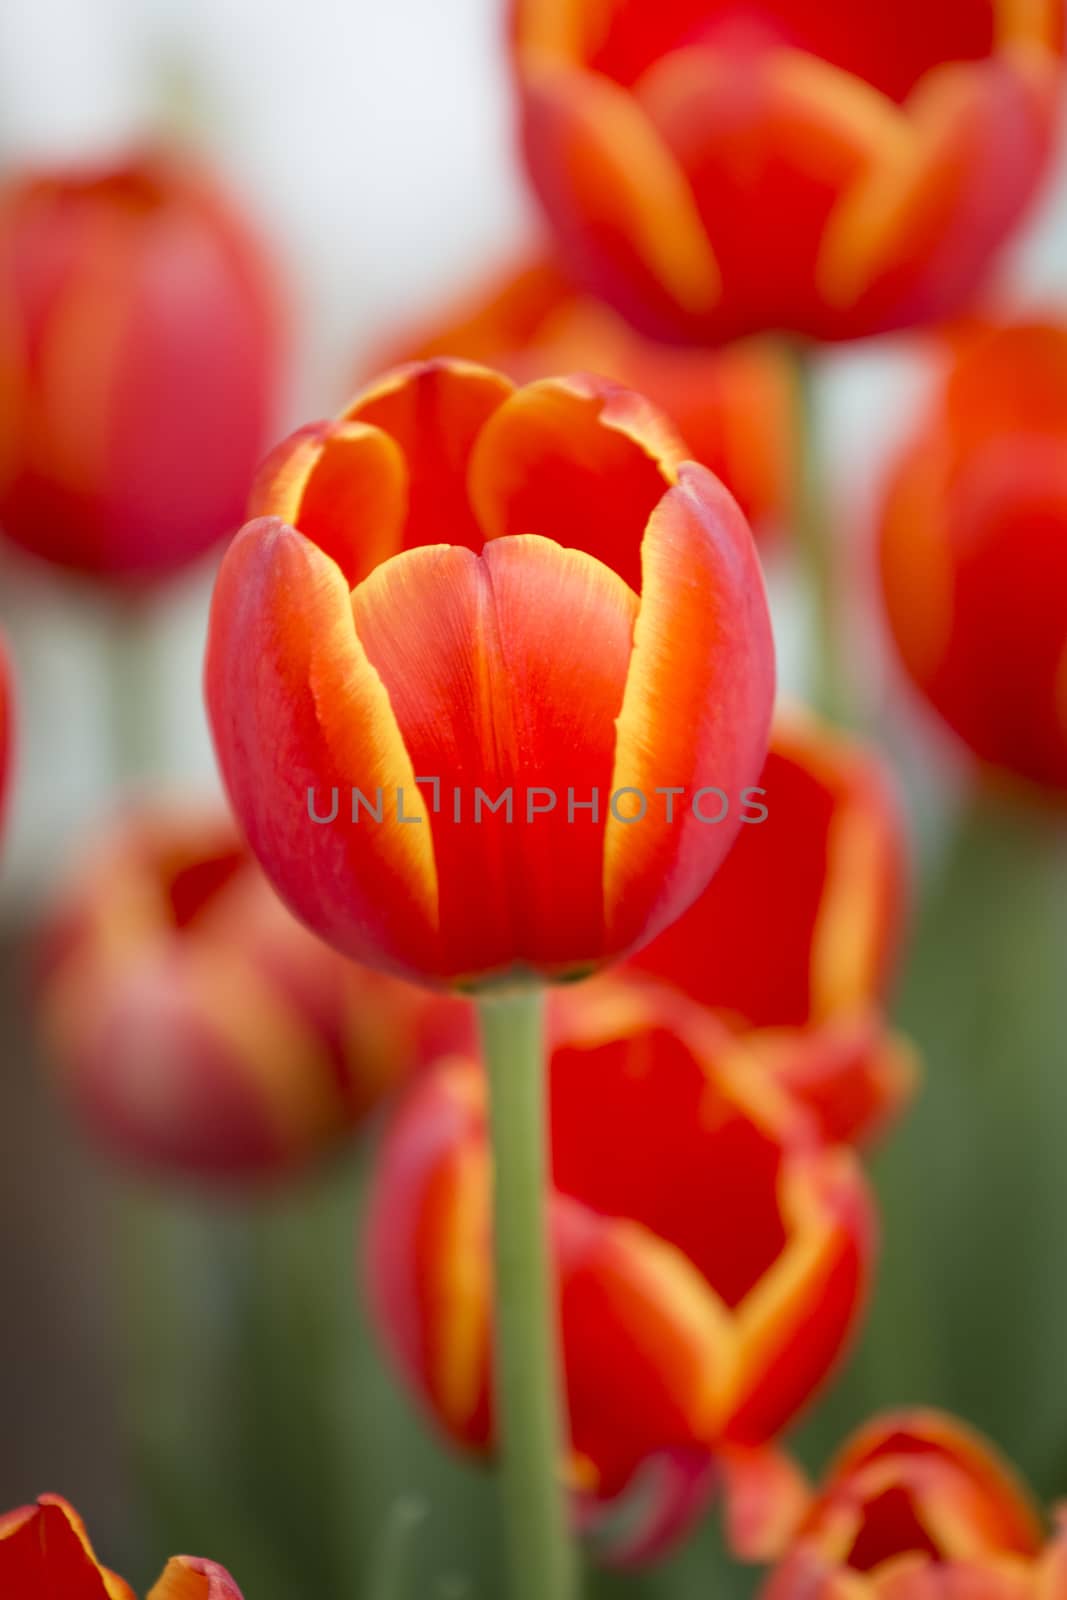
(45, 1555)
(140, 365)
(919, 1506)
(794, 941)
(498, 588)
(973, 551)
(196, 1028)
(722, 167)
(713, 1255)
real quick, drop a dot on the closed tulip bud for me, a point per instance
(196, 1028)
(974, 552)
(471, 635)
(721, 167)
(920, 1508)
(139, 366)
(45, 1554)
(794, 940)
(712, 1256)
(736, 408)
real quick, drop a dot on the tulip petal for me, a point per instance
(189, 1578)
(344, 486)
(697, 705)
(45, 1550)
(766, 1496)
(434, 411)
(505, 673)
(578, 460)
(297, 709)
(613, 189)
(796, 1322)
(915, 232)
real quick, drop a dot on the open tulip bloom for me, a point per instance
(45, 1554)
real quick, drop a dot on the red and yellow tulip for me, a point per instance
(918, 1507)
(974, 551)
(459, 594)
(139, 366)
(712, 1251)
(792, 943)
(196, 1027)
(45, 1554)
(736, 408)
(721, 167)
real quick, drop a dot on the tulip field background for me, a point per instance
(189, 1368)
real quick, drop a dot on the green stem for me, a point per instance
(542, 1558)
(817, 550)
(134, 664)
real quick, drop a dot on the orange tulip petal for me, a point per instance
(505, 673)
(296, 707)
(434, 411)
(189, 1578)
(578, 460)
(344, 486)
(697, 705)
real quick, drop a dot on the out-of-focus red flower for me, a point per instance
(974, 551)
(713, 1255)
(793, 941)
(140, 349)
(45, 1554)
(197, 1028)
(736, 408)
(461, 592)
(918, 1507)
(722, 167)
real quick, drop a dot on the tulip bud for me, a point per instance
(139, 366)
(974, 552)
(197, 1029)
(827, 168)
(471, 636)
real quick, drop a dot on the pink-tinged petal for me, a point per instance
(766, 1495)
(190, 1578)
(697, 707)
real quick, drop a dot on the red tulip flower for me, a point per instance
(139, 366)
(974, 552)
(920, 1508)
(736, 408)
(793, 941)
(721, 167)
(712, 1257)
(45, 1554)
(475, 663)
(198, 1030)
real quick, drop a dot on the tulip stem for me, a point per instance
(814, 532)
(529, 1395)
